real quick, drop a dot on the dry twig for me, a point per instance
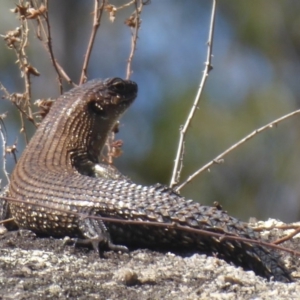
(98, 10)
(287, 237)
(134, 22)
(4, 145)
(43, 15)
(220, 158)
(208, 67)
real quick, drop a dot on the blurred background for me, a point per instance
(256, 59)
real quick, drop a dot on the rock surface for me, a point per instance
(45, 268)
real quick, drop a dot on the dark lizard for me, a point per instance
(60, 168)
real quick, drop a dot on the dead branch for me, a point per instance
(98, 10)
(178, 164)
(220, 158)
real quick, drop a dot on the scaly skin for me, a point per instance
(59, 169)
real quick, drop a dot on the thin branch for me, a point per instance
(136, 23)
(4, 145)
(98, 10)
(63, 73)
(50, 48)
(41, 14)
(219, 158)
(126, 5)
(221, 236)
(24, 66)
(17, 100)
(208, 67)
(282, 227)
(18, 41)
(287, 237)
(6, 220)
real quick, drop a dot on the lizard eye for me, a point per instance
(96, 108)
(119, 86)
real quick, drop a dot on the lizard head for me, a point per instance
(112, 98)
(100, 107)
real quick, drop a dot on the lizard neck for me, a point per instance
(73, 134)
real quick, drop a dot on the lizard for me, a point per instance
(61, 169)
